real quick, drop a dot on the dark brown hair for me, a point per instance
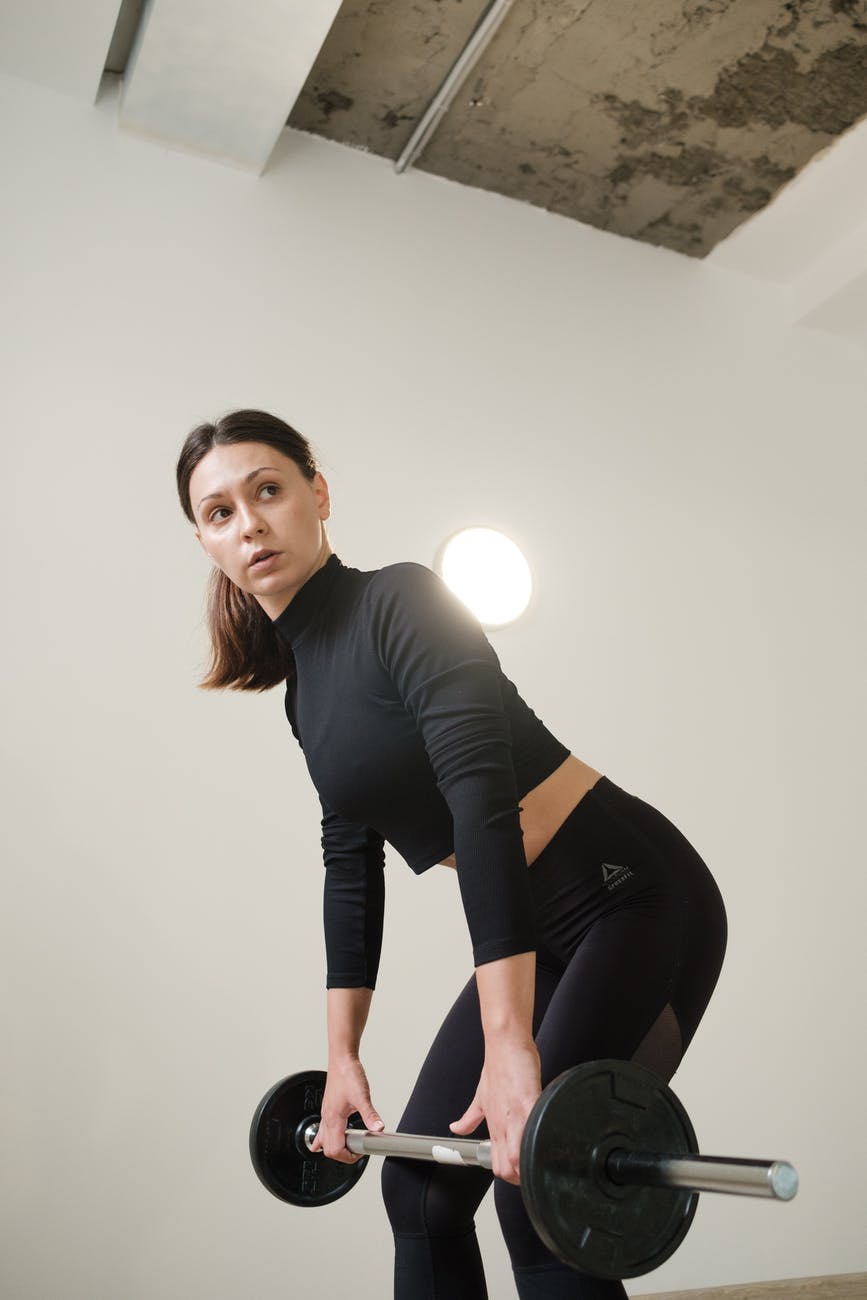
(246, 654)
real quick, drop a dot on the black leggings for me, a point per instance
(631, 933)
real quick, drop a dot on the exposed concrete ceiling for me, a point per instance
(669, 122)
(689, 124)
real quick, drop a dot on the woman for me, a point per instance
(597, 930)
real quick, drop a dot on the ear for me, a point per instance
(323, 497)
(202, 544)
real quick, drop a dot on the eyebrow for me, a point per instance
(263, 469)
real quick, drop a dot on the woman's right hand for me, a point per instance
(346, 1091)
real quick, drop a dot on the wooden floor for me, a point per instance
(845, 1286)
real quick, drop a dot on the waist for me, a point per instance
(545, 808)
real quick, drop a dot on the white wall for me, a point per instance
(686, 473)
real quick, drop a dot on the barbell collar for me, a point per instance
(773, 1178)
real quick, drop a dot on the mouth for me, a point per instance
(262, 557)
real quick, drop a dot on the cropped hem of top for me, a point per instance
(413, 735)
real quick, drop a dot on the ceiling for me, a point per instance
(674, 123)
(669, 122)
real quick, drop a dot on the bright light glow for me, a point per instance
(489, 574)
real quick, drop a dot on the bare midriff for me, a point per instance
(544, 809)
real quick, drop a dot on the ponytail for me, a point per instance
(246, 653)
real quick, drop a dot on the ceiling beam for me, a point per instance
(58, 44)
(219, 77)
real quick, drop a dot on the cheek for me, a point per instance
(221, 552)
(236, 572)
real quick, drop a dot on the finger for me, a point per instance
(335, 1146)
(503, 1166)
(470, 1120)
(318, 1143)
(331, 1141)
(338, 1151)
(372, 1120)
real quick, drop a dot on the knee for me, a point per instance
(403, 1196)
(525, 1248)
(423, 1199)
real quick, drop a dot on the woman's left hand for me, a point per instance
(509, 1085)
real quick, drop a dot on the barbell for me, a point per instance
(610, 1168)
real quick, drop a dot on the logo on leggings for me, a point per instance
(613, 876)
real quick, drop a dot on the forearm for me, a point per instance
(346, 1088)
(506, 991)
(510, 1081)
(347, 1012)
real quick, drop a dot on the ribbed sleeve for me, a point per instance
(354, 901)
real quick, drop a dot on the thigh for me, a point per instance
(448, 1078)
(615, 988)
(421, 1197)
(618, 983)
(628, 906)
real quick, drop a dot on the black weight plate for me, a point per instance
(277, 1148)
(588, 1221)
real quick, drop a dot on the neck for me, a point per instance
(275, 605)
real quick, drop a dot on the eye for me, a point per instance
(214, 516)
(270, 488)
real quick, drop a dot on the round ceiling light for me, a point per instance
(488, 572)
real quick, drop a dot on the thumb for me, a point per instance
(470, 1120)
(372, 1121)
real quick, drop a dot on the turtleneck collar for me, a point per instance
(302, 609)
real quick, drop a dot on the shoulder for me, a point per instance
(404, 576)
(415, 590)
(414, 618)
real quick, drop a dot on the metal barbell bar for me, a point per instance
(728, 1174)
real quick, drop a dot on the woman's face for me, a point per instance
(260, 520)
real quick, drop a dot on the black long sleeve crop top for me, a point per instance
(412, 734)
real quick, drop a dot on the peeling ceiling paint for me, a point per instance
(670, 123)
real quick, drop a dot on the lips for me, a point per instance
(261, 557)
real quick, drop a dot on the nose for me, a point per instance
(251, 521)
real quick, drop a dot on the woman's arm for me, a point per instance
(449, 680)
(450, 683)
(347, 1012)
(353, 913)
(510, 1081)
(347, 1089)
